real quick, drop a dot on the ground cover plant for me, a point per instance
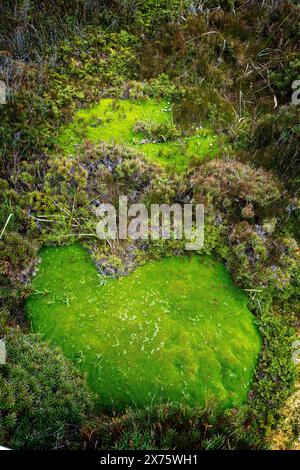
(146, 125)
(32, 414)
(173, 330)
(167, 102)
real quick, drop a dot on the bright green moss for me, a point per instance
(114, 121)
(175, 329)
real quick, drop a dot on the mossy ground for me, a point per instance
(174, 330)
(114, 121)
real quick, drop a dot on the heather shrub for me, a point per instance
(161, 132)
(17, 255)
(247, 207)
(236, 189)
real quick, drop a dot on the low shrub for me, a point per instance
(158, 132)
(17, 256)
(236, 189)
(249, 209)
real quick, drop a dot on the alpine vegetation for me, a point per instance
(149, 225)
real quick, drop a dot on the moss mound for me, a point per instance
(116, 121)
(173, 330)
(43, 398)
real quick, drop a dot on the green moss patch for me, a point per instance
(174, 330)
(115, 121)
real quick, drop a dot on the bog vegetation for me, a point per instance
(171, 101)
(175, 330)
